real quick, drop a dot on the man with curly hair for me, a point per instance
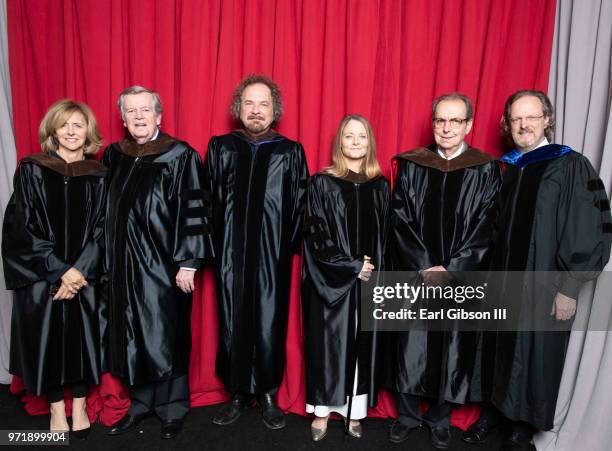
(257, 178)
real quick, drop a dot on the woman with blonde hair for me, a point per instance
(52, 255)
(345, 232)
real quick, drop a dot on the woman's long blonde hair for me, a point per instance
(370, 167)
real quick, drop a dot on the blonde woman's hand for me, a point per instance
(366, 271)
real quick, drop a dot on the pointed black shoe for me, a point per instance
(272, 416)
(440, 437)
(125, 424)
(171, 428)
(478, 432)
(231, 410)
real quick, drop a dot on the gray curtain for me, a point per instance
(580, 87)
(8, 157)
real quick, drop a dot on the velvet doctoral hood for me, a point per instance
(54, 221)
(157, 221)
(442, 214)
(346, 219)
(258, 193)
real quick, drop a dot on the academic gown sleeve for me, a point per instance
(299, 184)
(583, 227)
(331, 271)
(406, 249)
(28, 244)
(192, 240)
(471, 253)
(210, 184)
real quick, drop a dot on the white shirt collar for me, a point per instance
(458, 152)
(543, 143)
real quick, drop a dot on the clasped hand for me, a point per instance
(436, 276)
(72, 281)
(366, 271)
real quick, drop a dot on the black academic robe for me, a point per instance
(442, 214)
(54, 221)
(156, 222)
(555, 217)
(258, 194)
(346, 219)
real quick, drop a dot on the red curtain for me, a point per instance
(385, 59)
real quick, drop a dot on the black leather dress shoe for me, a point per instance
(440, 437)
(231, 410)
(478, 432)
(272, 416)
(399, 432)
(125, 424)
(516, 441)
(171, 428)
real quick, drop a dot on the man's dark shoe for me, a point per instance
(516, 441)
(171, 428)
(399, 432)
(440, 437)
(231, 410)
(478, 432)
(273, 418)
(125, 424)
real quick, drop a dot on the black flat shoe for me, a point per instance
(81, 434)
(440, 437)
(231, 410)
(171, 428)
(272, 416)
(125, 424)
(399, 432)
(478, 432)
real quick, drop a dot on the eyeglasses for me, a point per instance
(527, 119)
(454, 123)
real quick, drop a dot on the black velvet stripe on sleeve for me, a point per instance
(595, 185)
(197, 229)
(603, 204)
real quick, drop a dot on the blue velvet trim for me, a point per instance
(543, 153)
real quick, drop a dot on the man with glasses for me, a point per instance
(554, 221)
(441, 221)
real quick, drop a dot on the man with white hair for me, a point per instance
(156, 233)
